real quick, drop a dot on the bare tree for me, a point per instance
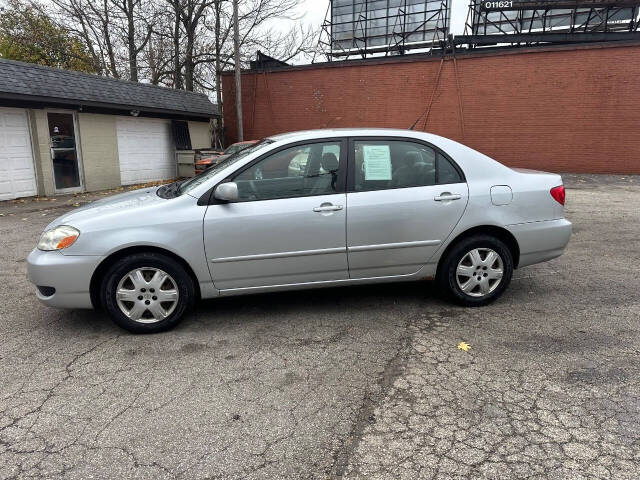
(237, 70)
(255, 15)
(134, 22)
(93, 22)
(193, 16)
(158, 56)
(177, 65)
(180, 43)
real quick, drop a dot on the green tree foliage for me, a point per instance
(28, 35)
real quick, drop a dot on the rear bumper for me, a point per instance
(70, 275)
(541, 241)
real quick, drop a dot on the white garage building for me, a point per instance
(63, 131)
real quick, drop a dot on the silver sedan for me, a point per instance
(303, 210)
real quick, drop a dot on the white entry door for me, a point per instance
(17, 177)
(145, 150)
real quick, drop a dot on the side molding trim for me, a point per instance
(388, 246)
(266, 256)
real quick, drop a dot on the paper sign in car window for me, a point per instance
(377, 162)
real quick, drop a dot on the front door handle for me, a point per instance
(446, 196)
(327, 208)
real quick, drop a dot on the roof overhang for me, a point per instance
(34, 101)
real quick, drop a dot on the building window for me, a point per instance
(181, 136)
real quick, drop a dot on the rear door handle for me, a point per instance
(327, 208)
(447, 196)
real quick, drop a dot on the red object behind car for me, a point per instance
(204, 163)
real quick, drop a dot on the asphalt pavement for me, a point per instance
(354, 382)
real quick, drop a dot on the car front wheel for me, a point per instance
(476, 271)
(147, 292)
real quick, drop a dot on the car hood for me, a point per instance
(128, 201)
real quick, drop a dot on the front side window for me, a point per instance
(198, 180)
(299, 171)
(386, 164)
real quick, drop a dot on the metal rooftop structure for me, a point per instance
(527, 22)
(363, 28)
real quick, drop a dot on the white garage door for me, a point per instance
(17, 177)
(145, 150)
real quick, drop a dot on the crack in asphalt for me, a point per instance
(370, 401)
(350, 383)
(454, 416)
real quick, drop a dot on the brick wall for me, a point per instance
(568, 109)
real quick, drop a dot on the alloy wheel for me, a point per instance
(479, 272)
(147, 295)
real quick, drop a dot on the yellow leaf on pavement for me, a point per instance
(464, 346)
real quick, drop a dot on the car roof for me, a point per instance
(339, 132)
(466, 157)
(475, 165)
(356, 132)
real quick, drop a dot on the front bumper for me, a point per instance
(70, 275)
(541, 241)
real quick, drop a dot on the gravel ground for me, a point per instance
(358, 382)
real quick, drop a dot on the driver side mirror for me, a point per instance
(226, 192)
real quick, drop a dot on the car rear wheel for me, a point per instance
(147, 292)
(476, 270)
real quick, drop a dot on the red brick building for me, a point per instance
(557, 108)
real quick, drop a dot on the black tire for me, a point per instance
(181, 279)
(447, 276)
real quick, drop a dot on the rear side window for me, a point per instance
(446, 172)
(387, 164)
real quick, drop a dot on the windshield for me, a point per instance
(236, 147)
(198, 180)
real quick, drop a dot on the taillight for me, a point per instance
(558, 194)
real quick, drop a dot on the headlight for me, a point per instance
(58, 238)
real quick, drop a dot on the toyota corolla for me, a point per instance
(302, 210)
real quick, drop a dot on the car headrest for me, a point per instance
(411, 158)
(329, 162)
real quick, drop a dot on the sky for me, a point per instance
(312, 12)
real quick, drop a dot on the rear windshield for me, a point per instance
(198, 180)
